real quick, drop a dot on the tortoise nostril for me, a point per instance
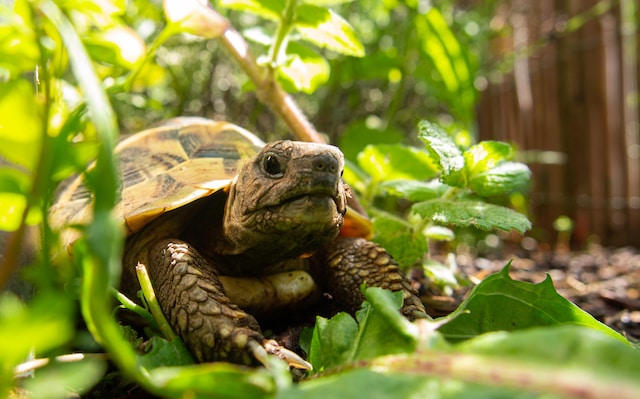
(325, 163)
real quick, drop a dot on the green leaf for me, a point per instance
(166, 353)
(332, 341)
(567, 360)
(506, 178)
(213, 380)
(326, 29)
(19, 51)
(395, 161)
(269, 9)
(393, 234)
(304, 69)
(63, 380)
(380, 330)
(501, 303)
(445, 153)
(118, 45)
(21, 127)
(486, 155)
(471, 214)
(414, 190)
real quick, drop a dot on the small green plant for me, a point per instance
(443, 188)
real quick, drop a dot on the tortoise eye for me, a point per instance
(272, 166)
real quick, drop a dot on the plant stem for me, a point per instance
(152, 301)
(284, 26)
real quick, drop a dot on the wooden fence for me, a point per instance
(570, 103)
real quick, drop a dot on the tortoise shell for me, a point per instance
(169, 166)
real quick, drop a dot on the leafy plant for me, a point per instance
(72, 72)
(448, 188)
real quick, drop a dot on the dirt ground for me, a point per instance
(603, 281)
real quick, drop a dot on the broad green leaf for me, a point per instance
(383, 330)
(269, 9)
(361, 383)
(119, 45)
(486, 155)
(12, 207)
(326, 29)
(395, 161)
(566, 359)
(213, 380)
(393, 234)
(46, 324)
(506, 178)
(62, 380)
(477, 214)
(444, 152)
(332, 341)
(414, 190)
(304, 69)
(166, 353)
(380, 330)
(501, 303)
(21, 127)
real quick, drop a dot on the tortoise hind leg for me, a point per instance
(196, 306)
(350, 262)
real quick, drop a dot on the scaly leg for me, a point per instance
(350, 262)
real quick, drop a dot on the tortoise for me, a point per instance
(233, 231)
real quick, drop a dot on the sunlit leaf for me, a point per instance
(269, 9)
(501, 303)
(414, 190)
(119, 45)
(19, 51)
(20, 123)
(445, 152)
(477, 214)
(395, 161)
(506, 178)
(325, 28)
(304, 69)
(195, 17)
(486, 155)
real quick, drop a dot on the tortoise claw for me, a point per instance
(271, 347)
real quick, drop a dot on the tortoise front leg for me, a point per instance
(194, 302)
(350, 262)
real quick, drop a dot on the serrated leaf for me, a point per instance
(471, 214)
(395, 161)
(304, 69)
(444, 152)
(414, 190)
(166, 353)
(269, 9)
(326, 29)
(486, 155)
(501, 303)
(508, 177)
(398, 238)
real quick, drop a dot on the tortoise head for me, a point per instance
(287, 201)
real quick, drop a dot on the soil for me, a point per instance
(603, 281)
